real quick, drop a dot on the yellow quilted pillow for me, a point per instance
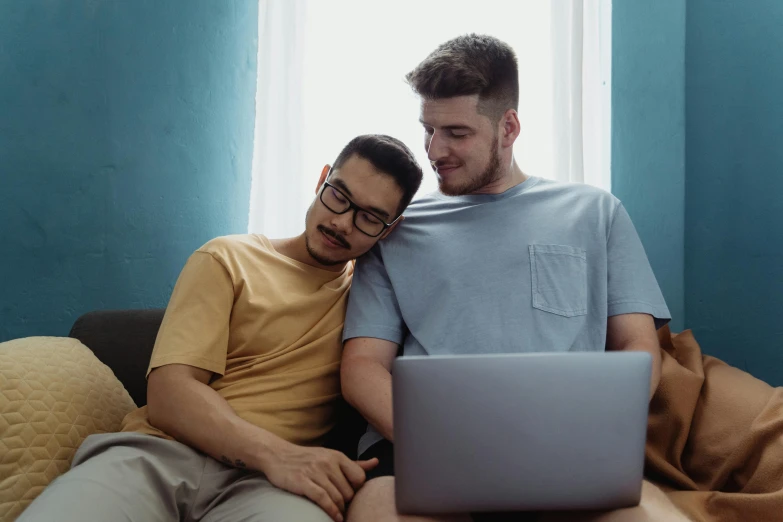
(53, 393)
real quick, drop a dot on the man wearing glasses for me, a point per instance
(244, 377)
(335, 197)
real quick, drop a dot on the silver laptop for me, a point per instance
(519, 432)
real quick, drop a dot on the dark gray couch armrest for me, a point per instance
(123, 340)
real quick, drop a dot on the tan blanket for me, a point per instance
(715, 437)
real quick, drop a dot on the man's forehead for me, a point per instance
(368, 187)
(456, 111)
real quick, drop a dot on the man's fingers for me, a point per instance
(325, 482)
(353, 472)
(340, 481)
(367, 465)
(323, 500)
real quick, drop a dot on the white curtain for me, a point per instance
(581, 109)
(331, 70)
(276, 188)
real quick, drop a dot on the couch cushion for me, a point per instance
(53, 393)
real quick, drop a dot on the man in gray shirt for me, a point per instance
(496, 262)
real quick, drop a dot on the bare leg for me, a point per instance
(374, 502)
(655, 506)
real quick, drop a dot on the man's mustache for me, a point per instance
(440, 163)
(337, 237)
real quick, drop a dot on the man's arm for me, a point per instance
(636, 333)
(182, 404)
(366, 379)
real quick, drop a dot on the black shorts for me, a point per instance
(384, 452)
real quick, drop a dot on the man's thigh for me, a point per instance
(378, 499)
(121, 477)
(253, 498)
(655, 506)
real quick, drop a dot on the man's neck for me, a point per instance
(296, 249)
(512, 177)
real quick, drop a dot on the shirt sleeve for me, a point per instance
(373, 310)
(632, 287)
(195, 326)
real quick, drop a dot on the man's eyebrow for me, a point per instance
(381, 213)
(449, 127)
(342, 186)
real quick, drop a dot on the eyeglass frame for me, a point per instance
(353, 206)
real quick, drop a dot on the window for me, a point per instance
(329, 71)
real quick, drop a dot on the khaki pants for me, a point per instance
(140, 478)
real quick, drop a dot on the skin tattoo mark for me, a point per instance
(227, 461)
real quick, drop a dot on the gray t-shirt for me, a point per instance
(538, 268)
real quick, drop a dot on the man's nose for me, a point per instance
(436, 147)
(343, 223)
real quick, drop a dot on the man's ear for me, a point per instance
(511, 128)
(389, 230)
(324, 173)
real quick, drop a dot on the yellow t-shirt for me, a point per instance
(268, 326)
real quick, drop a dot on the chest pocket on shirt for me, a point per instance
(559, 279)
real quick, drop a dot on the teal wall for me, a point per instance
(125, 142)
(734, 211)
(697, 157)
(648, 134)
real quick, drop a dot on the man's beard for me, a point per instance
(489, 175)
(325, 261)
(318, 258)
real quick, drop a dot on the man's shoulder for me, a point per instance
(228, 247)
(424, 203)
(547, 192)
(579, 197)
(575, 188)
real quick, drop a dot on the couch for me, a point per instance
(714, 440)
(56, 391)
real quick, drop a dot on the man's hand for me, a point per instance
(325, 476)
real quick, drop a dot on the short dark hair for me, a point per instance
(390, 156)
(467, 65)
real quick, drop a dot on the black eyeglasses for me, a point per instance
(365, 221)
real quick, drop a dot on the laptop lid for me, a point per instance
(519, 432)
